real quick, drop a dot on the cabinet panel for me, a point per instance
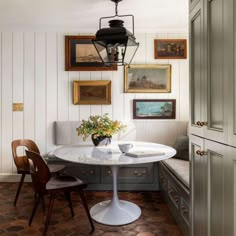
(196, 69)
(230, 57)
(198, 187)
(215, 65)
(230, 193)
(216, 156)
(192, 4)
(217, 33)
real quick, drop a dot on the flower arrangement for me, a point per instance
(99, 126)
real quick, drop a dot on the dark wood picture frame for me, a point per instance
(154, 108)
(143, 78)
(92, 92)
(170, 48)
(81, 55)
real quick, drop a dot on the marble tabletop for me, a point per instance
(111, 155)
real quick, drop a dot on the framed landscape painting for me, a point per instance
(95, 92)
(147, 79)
(81, 55)
(154, 108)
(170, 48)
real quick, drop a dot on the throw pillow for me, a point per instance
(182, 148)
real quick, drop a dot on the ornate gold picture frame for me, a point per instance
(95, 92)
(147, 79)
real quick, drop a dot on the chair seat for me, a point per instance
(55, 168)
(63, 182)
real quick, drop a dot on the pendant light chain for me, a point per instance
(116, 8)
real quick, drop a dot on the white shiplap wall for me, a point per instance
(32, 72)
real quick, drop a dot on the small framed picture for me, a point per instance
(95, 92)
(170, 48)
(154, 108)
(81, 55)
(147, 79)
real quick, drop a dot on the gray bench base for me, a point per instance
(177, 196)
(134, 177)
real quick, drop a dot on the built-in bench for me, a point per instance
(174, 186)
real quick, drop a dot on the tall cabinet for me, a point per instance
(213, 117)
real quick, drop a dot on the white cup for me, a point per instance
(125, 147)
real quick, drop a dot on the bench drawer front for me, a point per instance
(185, 211)
(89, 174)
(129, 174)
(163, 179)
(173, 194)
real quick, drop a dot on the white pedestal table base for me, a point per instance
(118, 213)
(115, 211)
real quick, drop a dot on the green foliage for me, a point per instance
(99, 126)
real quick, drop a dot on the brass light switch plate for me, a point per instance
(18, 106)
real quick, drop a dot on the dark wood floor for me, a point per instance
(155, 219)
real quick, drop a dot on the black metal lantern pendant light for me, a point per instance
(116, 44)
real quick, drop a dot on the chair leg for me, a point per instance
(51, 201)
(81, 193)
(36, 203)
(19, 188)
(68, 198)
(43, 203)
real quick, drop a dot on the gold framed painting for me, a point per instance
(95, 92)
(81, 55)
(147, 78)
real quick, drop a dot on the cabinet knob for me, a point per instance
(201, 123)
(198, 152)
(91, 172)
(203, 153)
(139, 174)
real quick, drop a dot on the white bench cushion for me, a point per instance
(180, 168)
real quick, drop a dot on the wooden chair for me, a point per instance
(22, 164)
(44, 183)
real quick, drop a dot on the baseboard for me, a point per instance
(13, 178)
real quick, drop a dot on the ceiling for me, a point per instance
(150, 15)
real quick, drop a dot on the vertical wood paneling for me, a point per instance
(17, 86)
(73, 109)
(140, 56)
(96, 109)
(33, 72)
(29, 93)
(40, 91)
(107, 75)
(51, 88)
(7, 104)
(149, 49)
(84, 109)
(118, 94)
(184, 90)
(175, 85)
(63, 85)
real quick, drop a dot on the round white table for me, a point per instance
(115, 211)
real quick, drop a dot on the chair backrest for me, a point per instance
(39, 171)
(21, 162)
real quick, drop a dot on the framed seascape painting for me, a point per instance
(81, 55)
(147, 79)
(170, 48)
(95, 92)
(154, 108)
